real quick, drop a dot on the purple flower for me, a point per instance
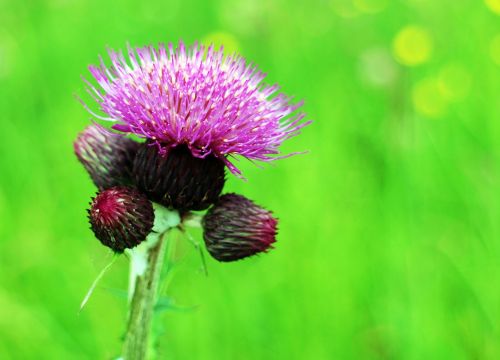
(195, 97)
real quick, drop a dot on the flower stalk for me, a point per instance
(137, 338)
(146, 263)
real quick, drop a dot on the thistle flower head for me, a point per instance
(235, 228)
(179, 180)
(121, 217)
(195, 97)
(107, 157)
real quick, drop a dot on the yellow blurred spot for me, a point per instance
(412, 45)
(493, 5)
(495, 49)
(370, 6)
(344, 8)
(218, 39)
(378, 67)
(8, 53)
(243, 16)
(454, 82)
(428, 99)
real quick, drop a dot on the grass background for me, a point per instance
(389, 226)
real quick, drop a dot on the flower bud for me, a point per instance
(107, 157)
(178, 179)
(235, 228)
(121, 217)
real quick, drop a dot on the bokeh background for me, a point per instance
(389, 226)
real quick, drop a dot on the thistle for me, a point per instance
(211, 107)
(196, 97)
(195, 110)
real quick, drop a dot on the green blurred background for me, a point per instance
(389, 226)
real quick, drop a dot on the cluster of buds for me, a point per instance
(195, 110)
(130, 175)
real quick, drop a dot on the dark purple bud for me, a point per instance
(235, 228)
(121, 217)
(107, 157)
(177, 179)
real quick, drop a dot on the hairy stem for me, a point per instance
(137, 337)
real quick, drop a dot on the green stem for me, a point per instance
(137, 337)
